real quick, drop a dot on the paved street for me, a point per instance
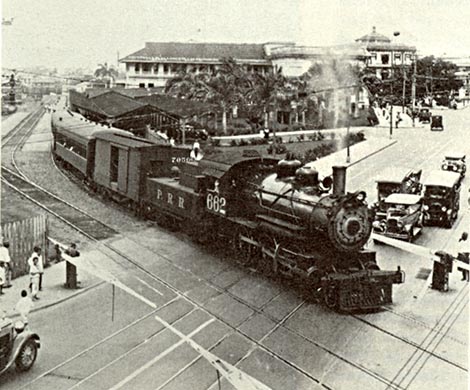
(259, 324)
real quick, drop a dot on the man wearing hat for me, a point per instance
(5, 258)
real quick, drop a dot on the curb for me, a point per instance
(373, 153)
(61, 300)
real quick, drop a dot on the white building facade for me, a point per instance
(384, 55)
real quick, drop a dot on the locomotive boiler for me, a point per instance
(295, 195)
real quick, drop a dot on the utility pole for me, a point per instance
(391, 120)
(413, 85)
(404, 88)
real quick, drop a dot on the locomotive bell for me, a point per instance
(307, 176)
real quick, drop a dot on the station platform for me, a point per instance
(11, 121)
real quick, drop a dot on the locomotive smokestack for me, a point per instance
(339, 180)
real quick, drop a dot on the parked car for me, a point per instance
(395, 180)
(441, 198)
(18, 345)
(436, 123)
(404, 218)
(455, 162)
(424, 115)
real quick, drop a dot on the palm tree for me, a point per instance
(267, 90)
(222, 88)
(105, 72)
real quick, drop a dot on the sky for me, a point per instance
(84, 33)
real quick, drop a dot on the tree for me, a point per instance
(107, 73)
(222, 88)
(266, 90)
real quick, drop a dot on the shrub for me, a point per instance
(300, 137)
(270, 149)
(243, 142)
(215, 142)
(280, 149)
(233, 142)
(290, 140)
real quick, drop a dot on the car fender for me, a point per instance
(20, 340)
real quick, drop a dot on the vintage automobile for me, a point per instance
(441, 198)
(424, 115)
(455, 162)
(395, 180)
(436, 123)
(404, 217)
(18, 345)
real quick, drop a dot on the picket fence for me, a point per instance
(23, 236)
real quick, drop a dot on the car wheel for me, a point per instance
(27, 355)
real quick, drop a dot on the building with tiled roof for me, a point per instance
(384, 54)
(158, 62)
(111, 107)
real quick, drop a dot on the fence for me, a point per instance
(23, 236)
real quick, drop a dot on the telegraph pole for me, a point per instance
(413, 85)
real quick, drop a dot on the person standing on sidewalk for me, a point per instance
(24, 306)
(5, 257)
(40, 265)
(34, 278)
(2, 276)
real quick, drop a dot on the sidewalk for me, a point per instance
(53, 290)
(358, 152)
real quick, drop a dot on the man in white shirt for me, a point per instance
(24, 306)
(34, 278)
(40, 264)
(5, 257)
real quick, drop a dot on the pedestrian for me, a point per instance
(24, 306)
(464, 256)
(40, 265)
(5, 257)
(72, 250)
(34, 278)
(2, 276)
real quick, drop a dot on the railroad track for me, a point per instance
(96, 230)
(14, 178)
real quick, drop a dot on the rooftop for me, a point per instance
(373, 37)
(192, 50)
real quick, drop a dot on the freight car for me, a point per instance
(273, 213)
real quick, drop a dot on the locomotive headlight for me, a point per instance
(400, 224)
(426, 207)
(449, 211)
(444, 208)
(376, 224)
(454, 168)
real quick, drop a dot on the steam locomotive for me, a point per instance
(277, 214)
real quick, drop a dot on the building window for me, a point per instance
(397, 57)
(137, 68)
(128, 67)
(165, 68)
(155, 68)
(408, 57)
(145, 68)
(385, 59)
(151, 85)
(142, 85)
